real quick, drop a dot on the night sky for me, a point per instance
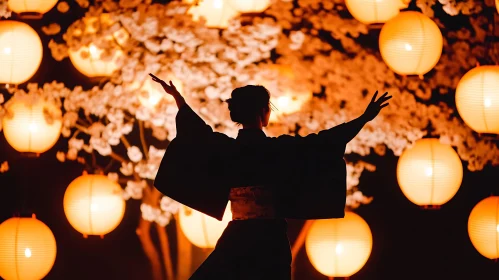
(409, 242)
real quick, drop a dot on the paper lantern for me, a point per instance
(32, 127)
(31, 6)
(250, 6)
(339, 247)
(151, 93)
(88, 61)
(21, 52)
(429, 173)
(217, 13)
(202, 230)
(93, 204)
(410, 43)
(477, 99)
(374, 11)
(27, 249)
(497, 5)
(483, 227)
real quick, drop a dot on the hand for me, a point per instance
(375, 106)
(169, 88)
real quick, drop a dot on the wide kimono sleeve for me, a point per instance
(192, 169)
(312, 180)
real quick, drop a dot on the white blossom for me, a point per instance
(169, 205)
(134, 154)
(134, 189)
(149, 213)
(126, 168)
(113, 176)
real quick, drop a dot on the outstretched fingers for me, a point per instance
(156, 79)
(374, 97)
(172, 85)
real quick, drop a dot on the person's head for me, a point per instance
(250, 106)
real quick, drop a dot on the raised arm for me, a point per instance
(335, 139)
(353, 127)
(171, 90)
(188, 123)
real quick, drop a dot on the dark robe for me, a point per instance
(307, 174)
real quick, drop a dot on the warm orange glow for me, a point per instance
(429, 173)
(217, 13)
(477, 99)
(32, 6)
(374, 11)
(410, 43)
(93, 204)
(88, 61)
(250, 6)
(202, 230)
(497, 5)
(28, 129)
(27, 249)
(151, 93)
(21, 52)
(291, 99)
(339, 247)
(483, 227)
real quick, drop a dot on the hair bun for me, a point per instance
(246, 103)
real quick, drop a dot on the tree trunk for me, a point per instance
(184, 253)
(144, 233)
(300, 240)
(165, 249)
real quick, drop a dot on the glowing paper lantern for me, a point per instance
(217, 13)
(27, 249)
(250, 6)
(477, 99)
(93, 204)
(429, 173)
(27, 128)
(483, 227)
(151, 93)
(410, 43)
(31, 6)
(88, 61)
(497, 5)
(202, 230)
(374, 11)
(339, 247)
(21, 52)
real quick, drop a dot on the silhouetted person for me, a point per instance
(266, 179)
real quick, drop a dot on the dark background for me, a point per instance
(409, 242)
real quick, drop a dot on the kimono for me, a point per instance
(308, 173)
(307, 176)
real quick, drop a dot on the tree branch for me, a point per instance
(82, 128)
(117, 157)
(143, 140)
(125, 141)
